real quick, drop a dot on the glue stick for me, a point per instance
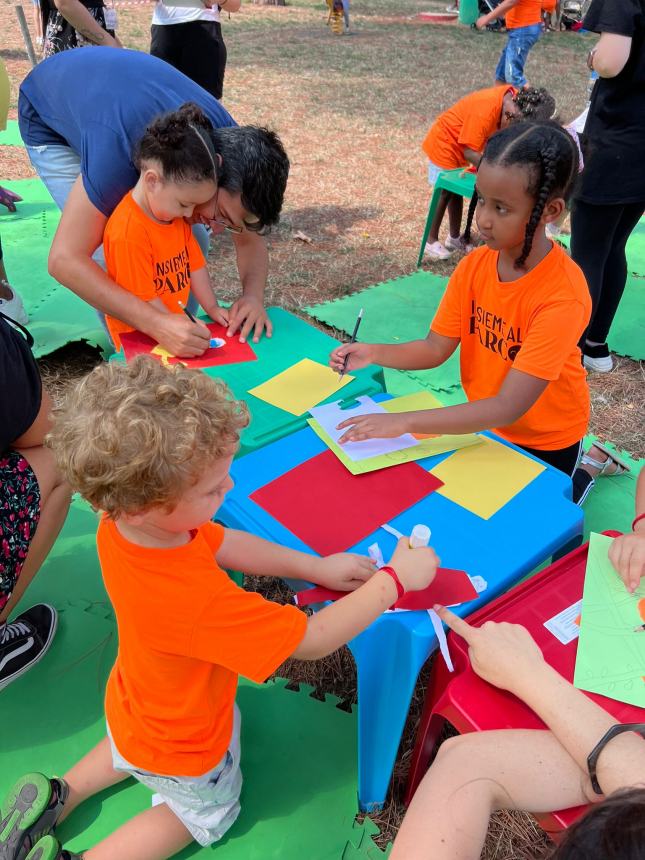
(420, 536)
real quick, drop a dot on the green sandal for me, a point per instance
(30, 810)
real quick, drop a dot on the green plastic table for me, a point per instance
(449, 180)
(293, 339)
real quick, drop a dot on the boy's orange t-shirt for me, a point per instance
(524, 14)
(532, 324)
(186, 632)
(467, 124)
(149, 259)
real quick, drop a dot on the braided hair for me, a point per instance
(181, 143)
(550, 156)
(535, 104)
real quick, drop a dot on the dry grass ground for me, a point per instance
(352, 112)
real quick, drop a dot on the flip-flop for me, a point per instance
(603, 465)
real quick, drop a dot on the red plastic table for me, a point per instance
(471, 704)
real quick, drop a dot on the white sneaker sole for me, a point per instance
(599, 365)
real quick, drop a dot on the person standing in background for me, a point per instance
(610, 198)
(524, 28)
(77, 24)
(190, 39)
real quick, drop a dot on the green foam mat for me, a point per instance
(298, 753)
(56, 315)
(610, 504)
(395, 311)
(11, 135)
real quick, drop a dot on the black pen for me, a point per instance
(352, 340)
(187, 312)
(214, 342)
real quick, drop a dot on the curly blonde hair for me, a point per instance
(132, 437)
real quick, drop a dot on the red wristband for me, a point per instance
(637, 520)
(400, 591)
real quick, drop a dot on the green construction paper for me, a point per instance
(56, 315)
(610, 504)
(611, 655)
(412, 402)
(395, 311)
(11, 135)
(298, 753)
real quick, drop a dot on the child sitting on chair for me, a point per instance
(457, 139)
(151, 447)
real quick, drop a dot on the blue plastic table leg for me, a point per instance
(388, 658)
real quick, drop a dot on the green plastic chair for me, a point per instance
(452, 180)
(468, 11)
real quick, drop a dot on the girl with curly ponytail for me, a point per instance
(149, 247)
(517, 306)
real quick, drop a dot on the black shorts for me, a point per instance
(564, 459)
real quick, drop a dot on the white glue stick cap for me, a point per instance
(420, 536)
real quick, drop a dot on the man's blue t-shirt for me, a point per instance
(98, 101)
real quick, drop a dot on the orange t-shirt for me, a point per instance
(186, 632)
(524, 14)
(532, 324)
(151, 260)
(467, 124)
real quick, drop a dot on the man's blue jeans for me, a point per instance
(510, 68)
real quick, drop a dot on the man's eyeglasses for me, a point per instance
(227, 226)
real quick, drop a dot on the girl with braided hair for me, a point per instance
(457, 139)
(517, 306)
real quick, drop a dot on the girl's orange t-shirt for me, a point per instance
(149, 259)
(525, 14)
(186, 632)
(532, 324)
(467, 124)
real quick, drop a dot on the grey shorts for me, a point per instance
(206, 805)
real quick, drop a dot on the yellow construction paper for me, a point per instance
(485, 478)
(301, 386)
(414, 403)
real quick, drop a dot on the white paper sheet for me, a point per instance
(563, 625)
(330, 415)
(441, 636)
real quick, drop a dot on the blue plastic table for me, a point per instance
(534, 525)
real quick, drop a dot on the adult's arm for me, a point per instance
(507, 656)
(226, 5)
(610, 55)
(248, 312)
(79, 234)
(78, 16)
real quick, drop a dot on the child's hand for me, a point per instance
(505, 655)
(219, 314)
(416, 568)
(343, 571)
(377, 426)
(360, 355)
(627, 554)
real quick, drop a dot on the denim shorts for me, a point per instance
(510, 68)
(206, 805)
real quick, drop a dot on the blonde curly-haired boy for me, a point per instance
(151, 448)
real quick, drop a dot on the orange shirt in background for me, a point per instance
(149, 259)
(524, 14)
(467, 124)
(186, 632)
(532, 324)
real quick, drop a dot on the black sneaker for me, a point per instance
(25, 640)
(49, 848)
(29, 811)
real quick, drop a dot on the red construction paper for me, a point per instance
(449, 588)
(233, 352)
(330, 509)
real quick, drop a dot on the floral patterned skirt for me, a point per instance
(19, 515)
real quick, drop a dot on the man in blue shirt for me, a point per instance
(81, 114)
